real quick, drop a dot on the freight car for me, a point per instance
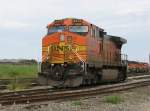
(76, 52)
(138, 67)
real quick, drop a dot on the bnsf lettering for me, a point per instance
(60, 48)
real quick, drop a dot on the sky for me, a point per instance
(23, 23)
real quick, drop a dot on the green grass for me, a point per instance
(113, 99)
(19, 71)
(14, 86)
(77, 103)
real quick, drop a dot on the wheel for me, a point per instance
(121, 77)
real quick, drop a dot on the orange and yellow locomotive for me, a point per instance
(76, 52)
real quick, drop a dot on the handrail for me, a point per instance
(80, 58)
(48, 55)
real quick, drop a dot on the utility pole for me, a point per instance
(149, 59)
(149, 62)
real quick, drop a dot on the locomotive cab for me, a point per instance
(64, 52)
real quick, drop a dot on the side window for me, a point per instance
(95, 32)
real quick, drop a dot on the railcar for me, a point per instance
(138, 67)
(76, 52)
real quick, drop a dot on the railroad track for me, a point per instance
(46, 94)
(138, 77)
(33, 81)
(138, 74)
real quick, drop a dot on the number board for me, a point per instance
(77, 21)
(57, 22)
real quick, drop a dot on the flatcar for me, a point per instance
(76, 52)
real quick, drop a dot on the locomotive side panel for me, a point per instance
(95, 46)
(94, 52)
(111, 53)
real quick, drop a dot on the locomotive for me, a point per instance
(138, 67)
(76, 52)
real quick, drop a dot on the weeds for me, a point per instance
(20, 71)
(113, 99)
(15, 86)
(77, 103)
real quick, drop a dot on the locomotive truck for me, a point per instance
(76, 52)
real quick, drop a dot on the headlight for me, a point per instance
(62, 37)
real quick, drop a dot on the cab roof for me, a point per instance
(71, 21)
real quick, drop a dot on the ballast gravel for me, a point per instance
(132, 100)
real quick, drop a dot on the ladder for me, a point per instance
(84, 65)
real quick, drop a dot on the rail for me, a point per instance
(47, 94)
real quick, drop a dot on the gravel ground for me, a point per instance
(132, 100)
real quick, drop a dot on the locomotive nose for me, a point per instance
(65, 38)
(62, 37)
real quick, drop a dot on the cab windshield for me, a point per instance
(55, 29)
(82, 30)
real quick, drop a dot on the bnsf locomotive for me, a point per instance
(76, 52)
(138, 67)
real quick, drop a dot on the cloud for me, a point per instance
(135, 11)
(13, 24)
(126, 18)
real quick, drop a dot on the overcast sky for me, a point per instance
(23, 23)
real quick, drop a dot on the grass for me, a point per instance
(18, 86)
(77, 103)
(114, 99)
(20, 71)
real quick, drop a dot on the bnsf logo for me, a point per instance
(60, 48)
